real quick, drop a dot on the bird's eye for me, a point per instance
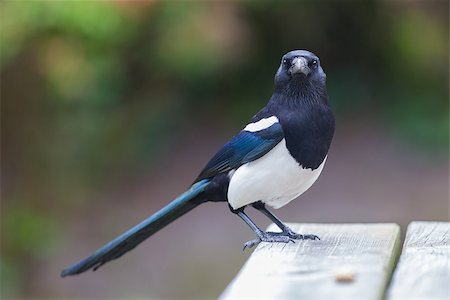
(285, 61)
(313, 63)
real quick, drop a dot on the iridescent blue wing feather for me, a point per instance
(243, 148)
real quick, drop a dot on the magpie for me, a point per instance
(277, 156)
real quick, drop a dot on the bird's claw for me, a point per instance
(311, 237)
(297, 236)
(293, 235)
(270, 237)
(251, 244)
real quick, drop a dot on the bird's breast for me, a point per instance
(275, 179)
(308, 134)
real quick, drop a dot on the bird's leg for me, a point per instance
(284, 228)
(263, 236)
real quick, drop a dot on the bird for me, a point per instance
(274, 159)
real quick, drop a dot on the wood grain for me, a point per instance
(423, 271)
(351, 261)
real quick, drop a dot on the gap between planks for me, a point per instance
(423, 271)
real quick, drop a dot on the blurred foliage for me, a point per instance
(93, 90)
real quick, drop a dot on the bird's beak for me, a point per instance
(300, 65)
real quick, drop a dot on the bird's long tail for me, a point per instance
(140, 232)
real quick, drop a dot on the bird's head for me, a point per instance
(299, 68)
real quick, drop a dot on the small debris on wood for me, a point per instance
(344, 274)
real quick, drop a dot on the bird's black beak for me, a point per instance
(299, 65)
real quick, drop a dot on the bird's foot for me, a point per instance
(270, 237)
(296, 236)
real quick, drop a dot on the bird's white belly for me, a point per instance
(275, 179)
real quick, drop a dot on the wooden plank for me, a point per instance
(351, 261)
(423, 271)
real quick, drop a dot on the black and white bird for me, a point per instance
(273, 160)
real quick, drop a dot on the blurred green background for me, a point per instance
(110, 109)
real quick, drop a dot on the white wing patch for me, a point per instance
(261, 124)
(275, 179)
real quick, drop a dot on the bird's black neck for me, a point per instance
(299, 93)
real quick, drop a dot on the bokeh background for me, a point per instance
(110, 109)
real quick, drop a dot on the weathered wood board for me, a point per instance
(423, 271)
(351, 261)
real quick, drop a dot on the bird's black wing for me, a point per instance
(243, 148)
